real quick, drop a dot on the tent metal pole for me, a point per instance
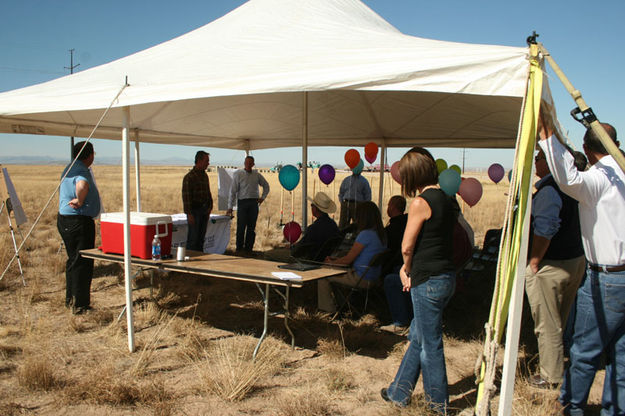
(126, 190)
(137, 170)
(595, 125)
(382, 165)
(305, 160)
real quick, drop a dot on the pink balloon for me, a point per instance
(470, 191)
(395, 172)
(292, 231)
(496, 172)
(370, 158)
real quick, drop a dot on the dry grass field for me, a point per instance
(195, 337)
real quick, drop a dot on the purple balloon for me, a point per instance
(326, 174)
(496, 172)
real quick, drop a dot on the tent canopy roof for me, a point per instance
(242, 81)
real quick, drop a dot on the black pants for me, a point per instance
(196, 233)
(247, 214)
(78, 233)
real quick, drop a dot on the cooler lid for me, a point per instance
(136, 218)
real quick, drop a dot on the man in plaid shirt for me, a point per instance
(197, 201)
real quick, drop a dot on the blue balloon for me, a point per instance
(358, 168)
(289, 177)
(449, 180)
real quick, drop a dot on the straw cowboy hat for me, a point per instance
(323, 203)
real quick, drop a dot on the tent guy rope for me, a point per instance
(61, 180)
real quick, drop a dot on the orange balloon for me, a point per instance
(352, 157)
(371, 149)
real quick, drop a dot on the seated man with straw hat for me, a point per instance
(320, 231)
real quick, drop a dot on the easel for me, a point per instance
(6, 202)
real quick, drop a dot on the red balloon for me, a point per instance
(470, 191)
(371, 152)
(352, 157)
(395, 172)
(292, 231)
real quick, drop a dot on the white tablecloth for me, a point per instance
(217, 232)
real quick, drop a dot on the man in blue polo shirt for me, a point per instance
(79, 204)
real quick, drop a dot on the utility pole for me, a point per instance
(71, 71)
(463, 151)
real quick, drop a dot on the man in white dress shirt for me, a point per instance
(244, 190)
(600, 306)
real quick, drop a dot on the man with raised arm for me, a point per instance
(600, 308)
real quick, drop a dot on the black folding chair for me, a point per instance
(379, 260)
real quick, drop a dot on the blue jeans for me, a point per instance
(599, 326)
(425, 352)
(399, 302)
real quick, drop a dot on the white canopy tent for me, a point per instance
(278, 73)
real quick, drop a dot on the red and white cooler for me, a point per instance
(143, 227)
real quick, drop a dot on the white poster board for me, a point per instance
(18, 211)
(224, 183)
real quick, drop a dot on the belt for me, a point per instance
(350, 200)
(612, 269)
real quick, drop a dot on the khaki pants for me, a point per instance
(551, 292)
(325, 297)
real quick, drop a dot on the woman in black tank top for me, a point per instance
(428, 273)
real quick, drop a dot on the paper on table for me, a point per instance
(287, 275)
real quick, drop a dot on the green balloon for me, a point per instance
(441, 165)
(456, 168)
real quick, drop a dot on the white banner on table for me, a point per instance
(217, 234)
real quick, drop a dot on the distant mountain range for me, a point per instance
(49, 160)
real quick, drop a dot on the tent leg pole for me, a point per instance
(137, 171)
(382, 165)
(126, 188)
(305, 161)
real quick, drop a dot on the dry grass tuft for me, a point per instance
(338, 380)
(7, 351)
(307, 403)
(106, 386)
(530, 401)
(13, 409)
(332, 348)
(37, 373)
(146, 354)
(228, 370)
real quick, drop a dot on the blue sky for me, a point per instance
(586, 40)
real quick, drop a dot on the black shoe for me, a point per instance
(540, 383)
(384, 394)
(80, 310)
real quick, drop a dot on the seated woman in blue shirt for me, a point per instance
(369, 242)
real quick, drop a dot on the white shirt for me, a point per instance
(245, 186)
(601, 195)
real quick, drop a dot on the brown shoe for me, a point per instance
(540, 383)
(399, 330)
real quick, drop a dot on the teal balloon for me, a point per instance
(289, 177)
(510, 175)
(449, 181)
(441, 165)
(456, 168)
(358, 168)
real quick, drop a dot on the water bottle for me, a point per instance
(156, 248)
